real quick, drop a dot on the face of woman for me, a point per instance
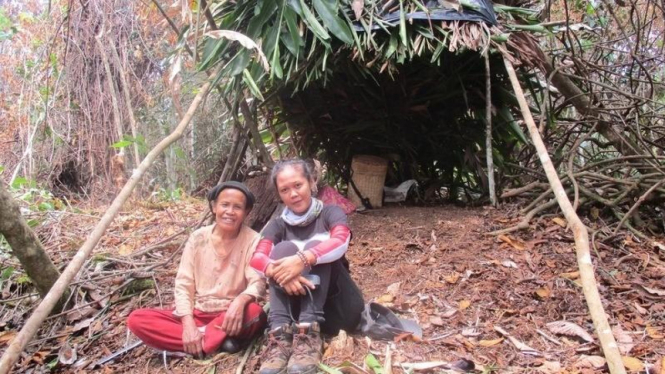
(294, 189)
(230, 210)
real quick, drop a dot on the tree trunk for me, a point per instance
(266, 202)
(26, 247)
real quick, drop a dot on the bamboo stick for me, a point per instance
(589, 286)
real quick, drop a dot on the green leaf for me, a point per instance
(328, 13)
(313, 23)
(19, 182)
(329, 370)
(373, 364)
(288, 43)
(356, 39)
(52, 364)
(7, 272)
(268, 8)
(295, 6)
(292, 25)
(402, 23)
(266, 136)
(5, 22)
(276, 65)
(247, 78)
(392, 46)
(270, 41)
(33, 223)
(211, 50)
(469, 5)
(23, 279)
(121, 144)
(239, 62)
(44, 206)
(517, 131)
(180, 153)
(2, 169)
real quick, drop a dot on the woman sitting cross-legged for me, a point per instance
(215, 289)
(302, 254)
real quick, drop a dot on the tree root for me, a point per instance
(524, 223)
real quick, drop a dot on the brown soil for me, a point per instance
(437, 266)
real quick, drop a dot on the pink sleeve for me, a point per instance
(261, 257)
(334, 248)
(256, 284)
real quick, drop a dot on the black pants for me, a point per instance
(336, 304)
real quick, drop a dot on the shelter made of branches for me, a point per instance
(428, 119)
(403, 80)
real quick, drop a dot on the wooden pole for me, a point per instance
(42, 311)
(580, 233)
(488, 130)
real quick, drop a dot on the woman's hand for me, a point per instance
(192, 340)
(232, 324)
(287, 269)
(297, 286)
(270, 270)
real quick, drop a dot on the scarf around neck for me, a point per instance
(293, 219)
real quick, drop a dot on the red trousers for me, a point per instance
(160, 329)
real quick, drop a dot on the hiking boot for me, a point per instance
(276, 356)
(307, 345)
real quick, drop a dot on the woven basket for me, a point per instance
(369, 175)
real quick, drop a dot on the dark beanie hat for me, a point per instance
(215, 191)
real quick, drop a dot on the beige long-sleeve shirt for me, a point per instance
(210, 278)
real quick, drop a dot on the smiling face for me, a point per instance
(294, 189)
(230, 210)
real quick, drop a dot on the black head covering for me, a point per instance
(215, 191)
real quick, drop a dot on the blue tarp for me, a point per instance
(437, 12)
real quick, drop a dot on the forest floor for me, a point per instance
(482, 299)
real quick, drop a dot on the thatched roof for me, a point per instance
(392, 77)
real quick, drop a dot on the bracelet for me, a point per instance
(302, 258)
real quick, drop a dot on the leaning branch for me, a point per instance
(589, 286)
(30, 328)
